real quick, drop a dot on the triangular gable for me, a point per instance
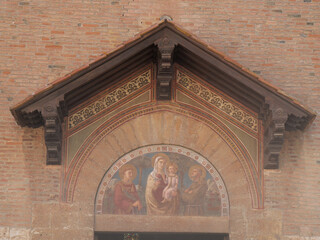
(165, 44)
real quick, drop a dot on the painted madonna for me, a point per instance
(162, 196)
(163, 183)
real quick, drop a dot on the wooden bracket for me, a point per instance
(274, 137)
(52, 133)
(165, 68)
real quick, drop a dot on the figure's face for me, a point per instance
(128, 175)
(161, 164)
(195, 173)
(171, 169)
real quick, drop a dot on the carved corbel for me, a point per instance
(165, 68)
(53, 133)
(273, 138)
(297, 123)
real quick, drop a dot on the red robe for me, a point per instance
(157, 193)
(124, 196)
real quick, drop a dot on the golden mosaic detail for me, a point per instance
(110, 99)
(217, 101)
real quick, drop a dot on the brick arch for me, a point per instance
(148, 125)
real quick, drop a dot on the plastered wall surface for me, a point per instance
(44, 40)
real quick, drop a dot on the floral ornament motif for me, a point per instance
(110, 99)
(217, 101)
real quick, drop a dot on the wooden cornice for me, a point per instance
(164, 44)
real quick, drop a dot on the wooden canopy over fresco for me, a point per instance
(164, 45)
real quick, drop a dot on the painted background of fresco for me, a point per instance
(206, 203)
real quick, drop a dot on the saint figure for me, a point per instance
(126, 199)
(194, 195)
(156, 183)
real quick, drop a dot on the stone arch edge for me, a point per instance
(214, 124)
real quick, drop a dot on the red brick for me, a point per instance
(268, 37)
(53, 47)
(57, 32)
(90, 25)
(92, 33)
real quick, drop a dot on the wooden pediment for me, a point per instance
(164, 45)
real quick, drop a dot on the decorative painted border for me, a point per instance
(216, 100)
(254, 181)
(110, 99)
(163, 148)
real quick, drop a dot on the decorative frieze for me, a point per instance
(110, 99)
(217, 101)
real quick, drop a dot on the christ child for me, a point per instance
(171, 189)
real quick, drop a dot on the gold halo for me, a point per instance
(163, 155)
(201, 168)
(126, 167)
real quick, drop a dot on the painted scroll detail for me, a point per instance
(110, 99)
(217, 101)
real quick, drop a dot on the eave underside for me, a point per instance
(164, 46)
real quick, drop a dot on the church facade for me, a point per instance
(188, 119)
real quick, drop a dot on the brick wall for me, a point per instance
(43, 40)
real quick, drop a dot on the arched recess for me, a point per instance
(186, 160)
(163, 124)
(163, 148)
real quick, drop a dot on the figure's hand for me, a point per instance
(137, 204)
(157, 183)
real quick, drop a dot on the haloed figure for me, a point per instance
(171, 189)
(126, 198)
(194, 195)
(156, 183)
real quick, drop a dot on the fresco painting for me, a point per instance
(163, 183)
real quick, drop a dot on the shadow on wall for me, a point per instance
(160, 236)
